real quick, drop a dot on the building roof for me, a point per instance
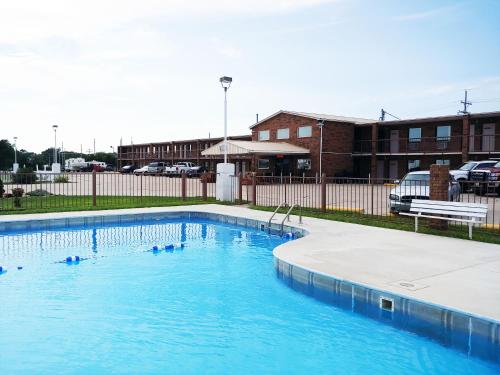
(320, 116)
(440, 118)
(248, 136)
(255, 148)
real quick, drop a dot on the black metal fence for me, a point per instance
(42, 190)
(380, 199)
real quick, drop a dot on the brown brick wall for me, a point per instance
(337, 141)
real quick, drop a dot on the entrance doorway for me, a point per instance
(282, 166)
(488, 137)
(393, 169)
(380, 169)
(394, 141)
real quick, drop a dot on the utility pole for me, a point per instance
(466, 104)
(94, 146)
(383, 112)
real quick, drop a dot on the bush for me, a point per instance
(17, 193)
(39, 193)
(1, 188)
(62, 179)
(24, 176)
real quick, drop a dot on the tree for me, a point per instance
(6, 154)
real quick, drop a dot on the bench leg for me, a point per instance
(416, 224)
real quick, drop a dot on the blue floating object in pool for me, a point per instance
(169, 247)
(19, 268)
(77, 258)
(155, 247)
(69, 260)
(1, 269)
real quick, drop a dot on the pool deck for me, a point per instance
(457, 274)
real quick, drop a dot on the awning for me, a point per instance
(254, 148)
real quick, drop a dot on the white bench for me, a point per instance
(470, 213)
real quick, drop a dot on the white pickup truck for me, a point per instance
(178, 168)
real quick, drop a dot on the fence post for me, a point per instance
(323, 192)
(240, 189)
(204, 194)
(183, 185)
(94, 188)
(438, 190)
(254, 190)
(371, 188)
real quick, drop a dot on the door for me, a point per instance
(282, 166)
(488, 137)
(380, 169)
(393, 169)
(472, 138)
(394, 141)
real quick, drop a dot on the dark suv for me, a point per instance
(486, 180)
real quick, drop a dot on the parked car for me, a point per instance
(128, 168)
(157, 167)
(415, 185)
(110, 168)
(142, 170)
(463, 173)
(196, 171)
(178, 168)
(486, 180)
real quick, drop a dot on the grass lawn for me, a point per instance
(31, 205)
(396, 222)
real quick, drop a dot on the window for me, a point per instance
(443, 133)
(304, 164)
(413, 165)
(414, 134)
(443, 162)
(283, 133)
(263, 164)
(264, 135)
(304, 131)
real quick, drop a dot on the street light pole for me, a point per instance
(55, 142)
(225, 83)
(15, 150)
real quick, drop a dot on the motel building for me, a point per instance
(309, 144)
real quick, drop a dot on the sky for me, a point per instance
(148, 70)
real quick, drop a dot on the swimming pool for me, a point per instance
(214, 306)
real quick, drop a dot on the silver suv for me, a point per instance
(157, 167)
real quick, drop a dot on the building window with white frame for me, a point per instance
(304, 164)
(264, 135)
(304, 132)
(263, 164)
(283, 133)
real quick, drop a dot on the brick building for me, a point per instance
(350, 146)
(172, 152)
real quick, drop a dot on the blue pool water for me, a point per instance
(213, 307)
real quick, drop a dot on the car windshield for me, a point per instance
(497, 165)
(467, 166)
(416, 179)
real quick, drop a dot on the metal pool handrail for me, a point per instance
(287, 216)
(274, 214)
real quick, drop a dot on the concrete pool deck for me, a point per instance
(456, 274)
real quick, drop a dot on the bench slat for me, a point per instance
(447, 203)
(444, 212)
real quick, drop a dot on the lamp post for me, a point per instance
(15, 167)
(225, 83)
(112, 149)
(321, 123)
(55, 142)
(15, 150)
